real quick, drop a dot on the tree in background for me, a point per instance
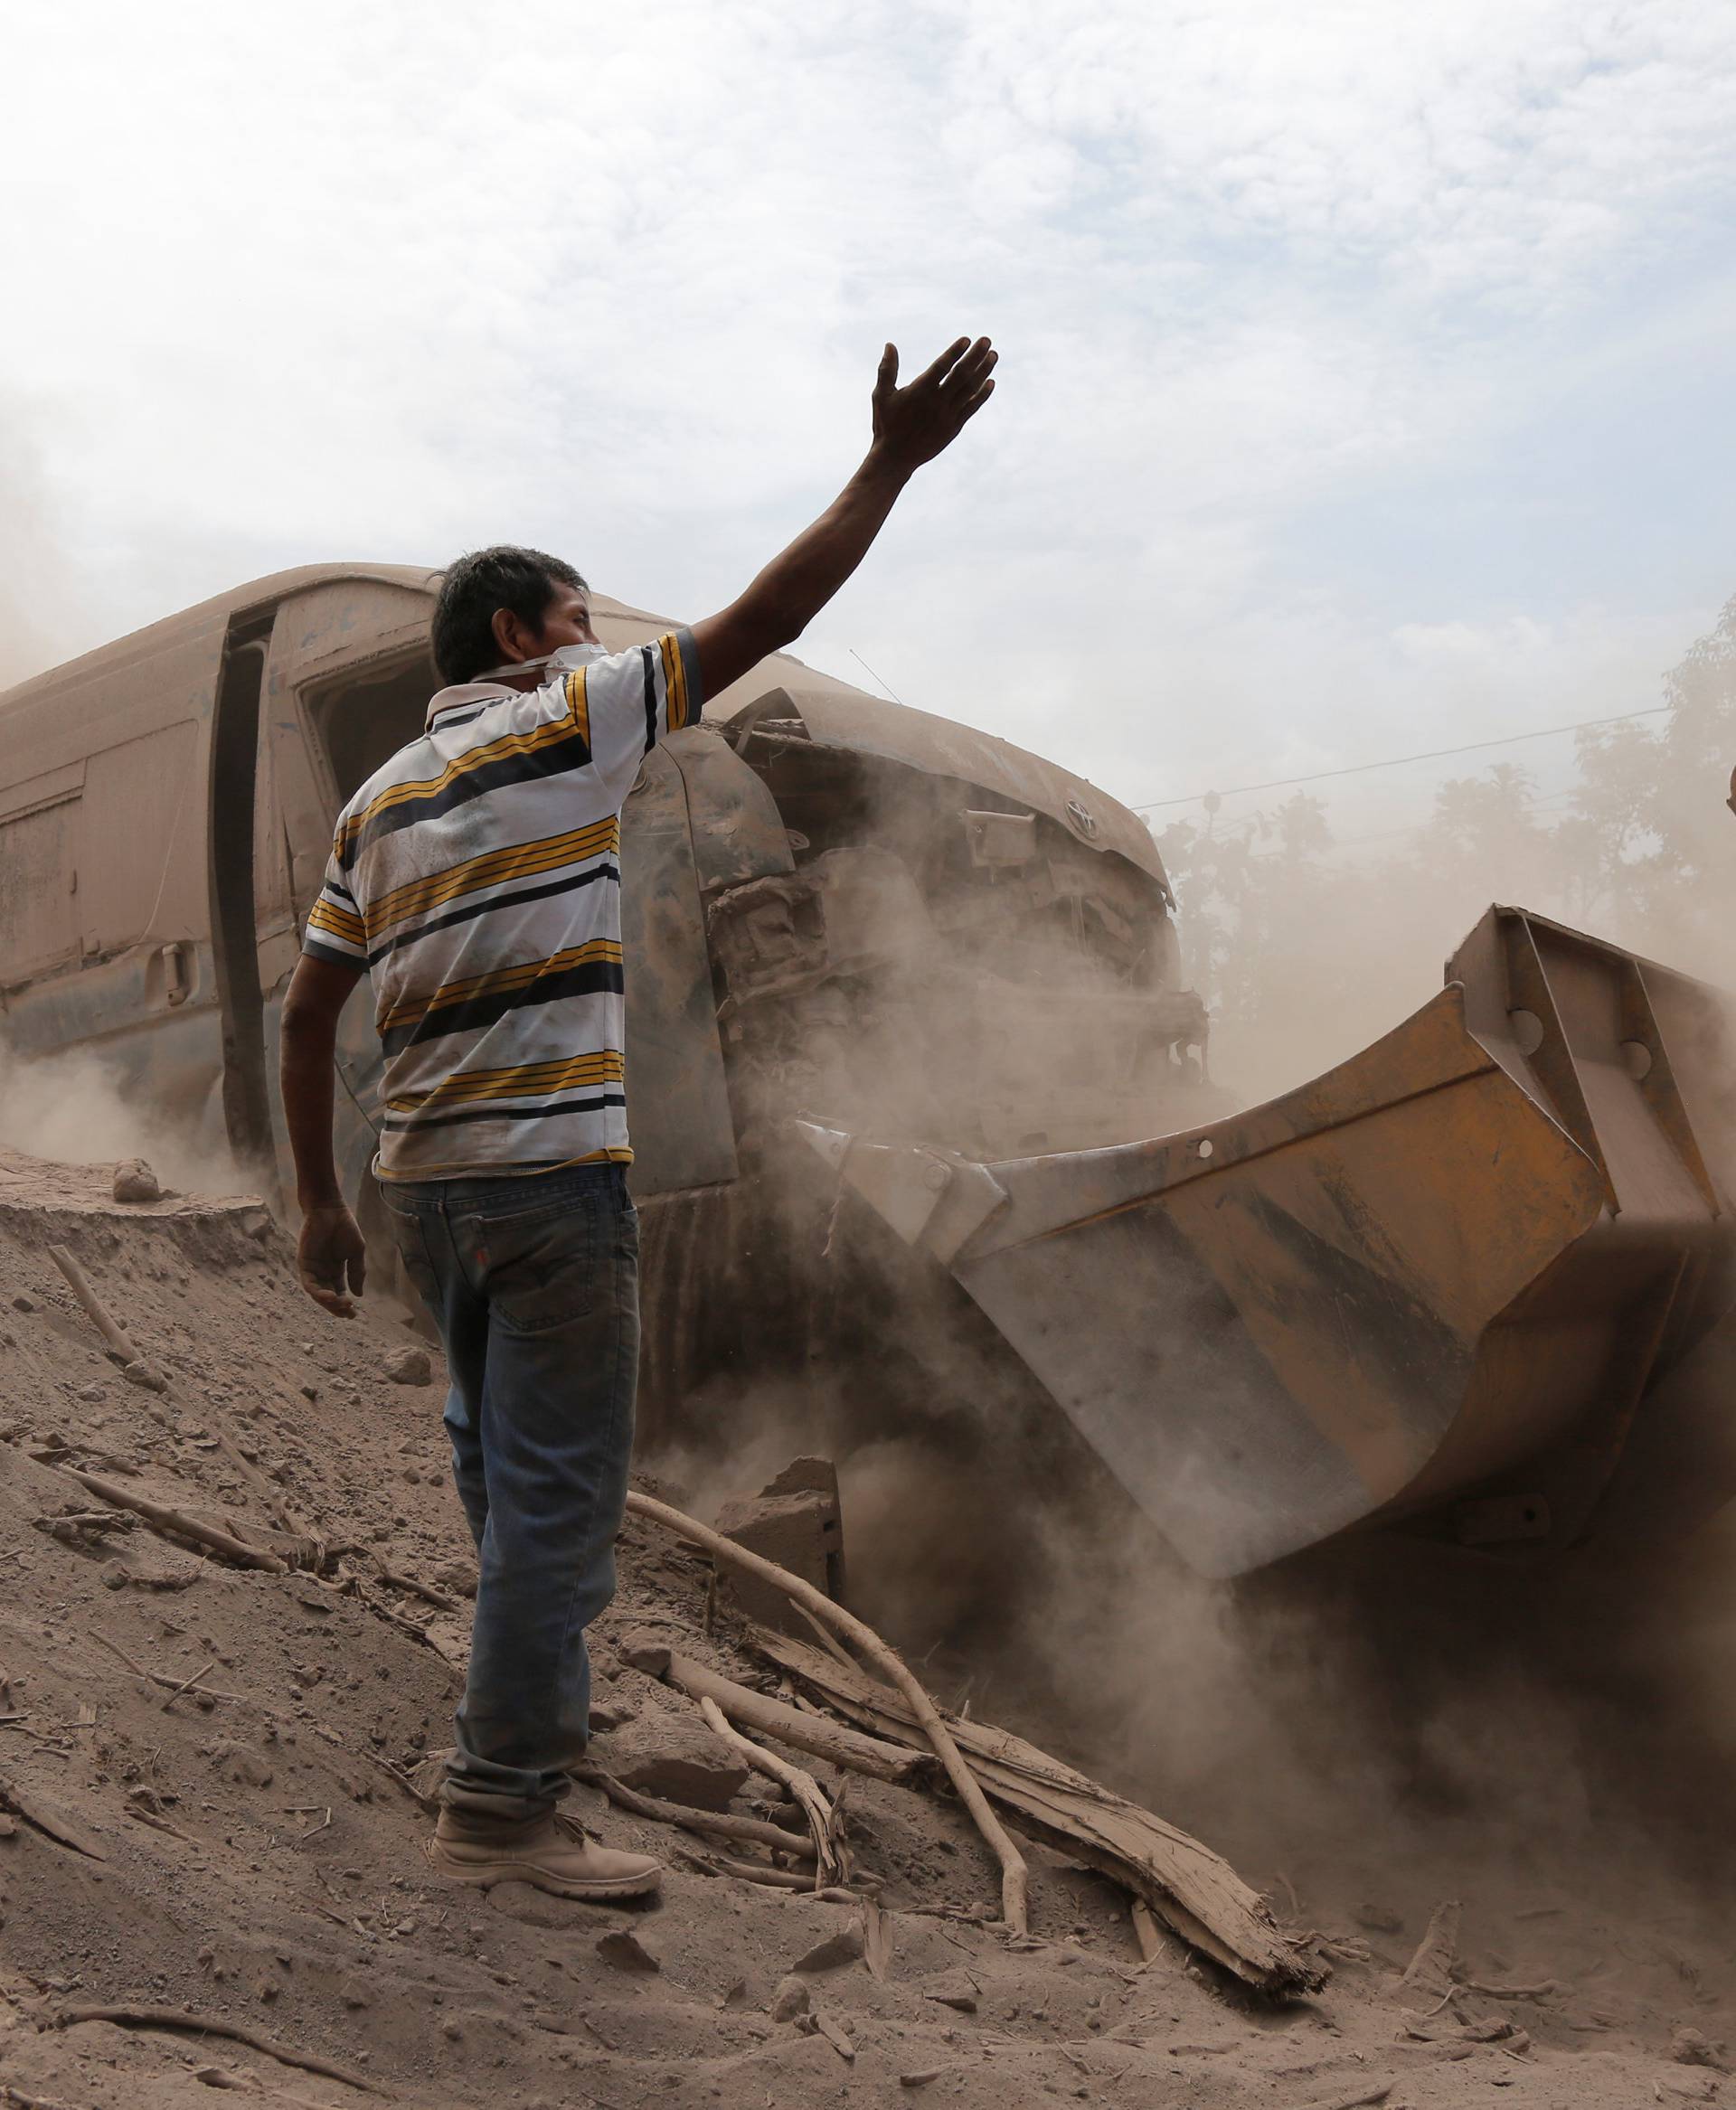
(1245, 896)
(1651, 836)
(1484, 825)
(1262, 908)
(1304, 958)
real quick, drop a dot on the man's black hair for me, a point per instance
(473, 587)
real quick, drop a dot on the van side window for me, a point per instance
(363, 719)
(39, 848)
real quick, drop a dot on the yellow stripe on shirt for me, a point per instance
(518, 977)
(513, 743)
(675, 683)
(325, 915)
(579, 703)
(491, 868)
(525, 1080)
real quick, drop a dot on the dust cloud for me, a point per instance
(77, 1109)
(1309, 937)
(1375, 953)
(1374, 1727)
(1398, 1723)
(45, 604)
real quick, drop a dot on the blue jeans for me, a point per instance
(535, 1284)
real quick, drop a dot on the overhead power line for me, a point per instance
(1545, 732)
(892, 692)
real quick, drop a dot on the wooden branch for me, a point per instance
(431, 1804)
(156, 1677)
(164, 1519)
(711, 1823)
(192, 2025)
(393, 1617)
(754, 1871)
(198, 1678)
(817, 1734)
(426, 1591)
(821, 1820)
(1194, 1891)
(158, 1824)
(95, 1310)
(1014, 1877)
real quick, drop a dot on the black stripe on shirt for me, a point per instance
(404, 1123)
(589, 978)
(552, 759)
(460, 713)
(563, 885)
(650, 698)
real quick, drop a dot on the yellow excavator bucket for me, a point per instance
(1472, 1278)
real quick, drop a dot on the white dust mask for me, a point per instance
(566, 660)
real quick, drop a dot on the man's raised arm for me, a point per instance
(911, 426)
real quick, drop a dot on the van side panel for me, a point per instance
(39, 855)
(110, 947)
(142, 875)
(132, 725)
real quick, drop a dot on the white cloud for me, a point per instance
(313, 280)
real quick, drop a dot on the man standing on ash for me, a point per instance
(475, 879)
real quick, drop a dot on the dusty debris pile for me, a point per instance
(234, 1603)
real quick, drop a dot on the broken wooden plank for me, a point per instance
(1431, 1970)
(1145, 1931)
(876, 1945)
(1193, 1889)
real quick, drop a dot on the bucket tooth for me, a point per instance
(933, 1199)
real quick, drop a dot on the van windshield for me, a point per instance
(363, 720)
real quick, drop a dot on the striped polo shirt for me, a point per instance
(478, 878)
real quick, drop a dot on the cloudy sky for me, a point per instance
(1364, 367)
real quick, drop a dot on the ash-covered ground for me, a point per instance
(248, 1850)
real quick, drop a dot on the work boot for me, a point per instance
(550, 1850)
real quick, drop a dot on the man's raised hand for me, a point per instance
(913, 424)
